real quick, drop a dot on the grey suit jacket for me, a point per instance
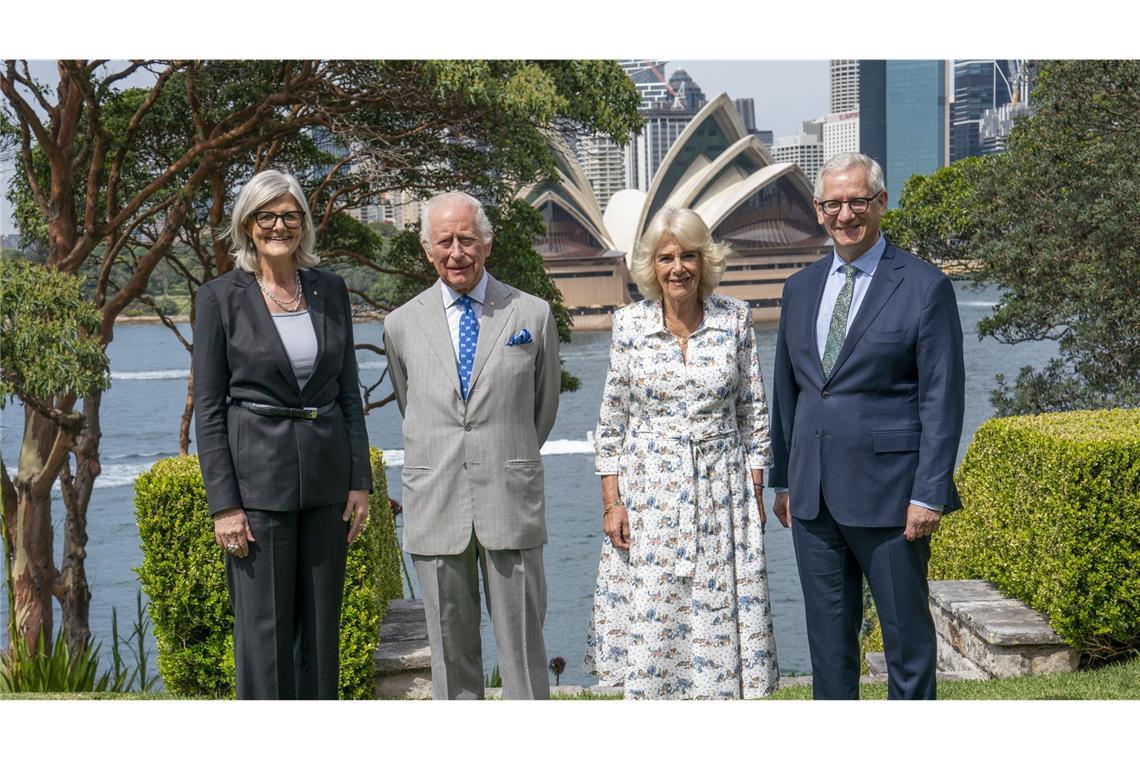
(275, 463)
(474, 464)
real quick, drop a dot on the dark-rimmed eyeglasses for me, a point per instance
(267, 220)
(857, 205)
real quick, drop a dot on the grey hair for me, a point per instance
(843, 161)
(686, 228)
(263, 188)
(482, 223)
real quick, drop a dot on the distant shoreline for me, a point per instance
(182, 319)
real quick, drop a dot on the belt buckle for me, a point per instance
(310, 412)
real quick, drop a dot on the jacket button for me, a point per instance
(465, 465)
(467, 428)
(827, 394)
(817, 435)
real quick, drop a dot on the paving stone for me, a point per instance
(394, 656)
(405, 684)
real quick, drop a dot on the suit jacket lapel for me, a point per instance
(819, 270)
(887, 277)
(497, 307)
(269, 340)
(318, 303)
(437, 333)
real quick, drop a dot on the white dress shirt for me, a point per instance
(454, 311)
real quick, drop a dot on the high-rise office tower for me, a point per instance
(805, 150)
(979, 85)
(649, 78)
(904, 118)
(996, 123)
(602, 161)
(844, 87)
(746, 107)
(688, 91)
(664, 119)
(840, 134)
(873, 110)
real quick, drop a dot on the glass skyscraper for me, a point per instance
(904, 118)
(873, 110)
(979, 85)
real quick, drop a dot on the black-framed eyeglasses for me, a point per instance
(267, 220)
(857, 205)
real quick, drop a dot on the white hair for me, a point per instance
(264, 188)
(482, 223)
(843, 161)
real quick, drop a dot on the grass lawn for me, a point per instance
(1120, 681)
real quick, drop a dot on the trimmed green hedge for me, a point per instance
(1052, 517)
(183, 574)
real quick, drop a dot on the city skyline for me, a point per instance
(784, 92)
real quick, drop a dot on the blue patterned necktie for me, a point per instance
(468, 339)
(837, 330)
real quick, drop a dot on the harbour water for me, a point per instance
(141, 413)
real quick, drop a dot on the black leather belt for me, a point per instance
(268, 410)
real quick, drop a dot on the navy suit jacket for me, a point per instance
(276, 463)
(884, 428)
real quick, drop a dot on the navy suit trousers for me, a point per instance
(833, 559)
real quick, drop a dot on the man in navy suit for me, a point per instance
(866, 420)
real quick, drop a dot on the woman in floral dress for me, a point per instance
(681, 608)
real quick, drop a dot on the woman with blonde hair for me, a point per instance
(681, 607)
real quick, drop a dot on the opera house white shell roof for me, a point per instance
(714, 167)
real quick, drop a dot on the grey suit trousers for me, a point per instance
(514, 583)
(286, 597)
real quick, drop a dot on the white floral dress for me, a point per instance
(684, 613)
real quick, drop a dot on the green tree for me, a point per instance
(1050, 220)
(115, 182)
(938, 214)
(52, 356)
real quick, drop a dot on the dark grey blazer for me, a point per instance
(275, 463)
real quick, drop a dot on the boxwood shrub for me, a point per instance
(1052, 517)
(183, 574)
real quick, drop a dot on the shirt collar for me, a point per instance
(867, 263)
(717, 316)
(478, 293)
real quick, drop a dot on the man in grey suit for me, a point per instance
(474, 364)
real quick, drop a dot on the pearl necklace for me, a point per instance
(293, 305)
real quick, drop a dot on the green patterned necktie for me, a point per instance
(837, 331)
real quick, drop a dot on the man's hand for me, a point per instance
(781, 509)
(920, 522)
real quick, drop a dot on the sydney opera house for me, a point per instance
(762, 208)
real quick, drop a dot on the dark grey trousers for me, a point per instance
(286, 598)
(514, 582)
